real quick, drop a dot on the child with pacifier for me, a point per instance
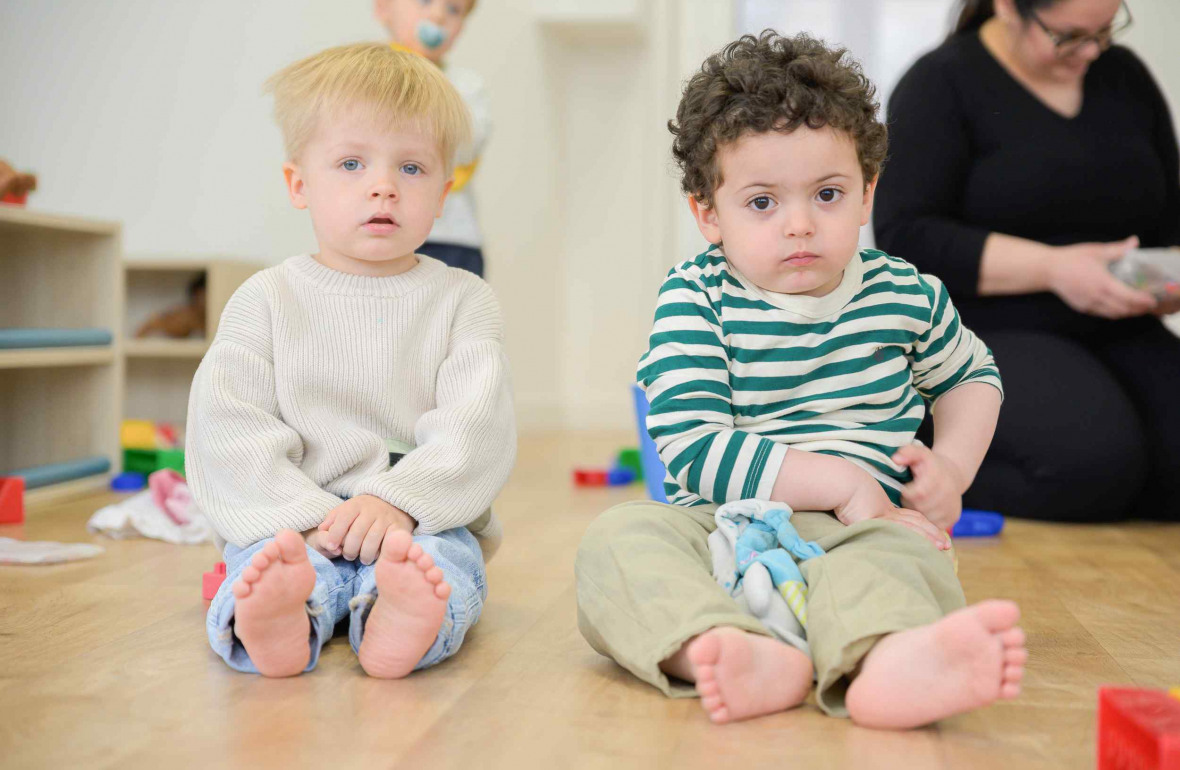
(430, 28)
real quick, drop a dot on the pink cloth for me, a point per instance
(170, 494)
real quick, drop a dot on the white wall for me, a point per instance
(151, 112)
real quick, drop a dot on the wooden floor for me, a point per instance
(105, 664)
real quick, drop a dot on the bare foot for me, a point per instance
(740, 675)
(411, 600)
(270, 609)
(967, 660)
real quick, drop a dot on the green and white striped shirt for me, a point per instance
(736, 374)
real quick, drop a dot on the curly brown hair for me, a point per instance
(772, 83)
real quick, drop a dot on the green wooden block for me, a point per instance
(148, 461)
(629, 458)
(139, 460)
(170, 458)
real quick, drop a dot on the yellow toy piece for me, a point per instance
(1175, 692)
(138, 434)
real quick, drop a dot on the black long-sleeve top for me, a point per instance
(972, 152)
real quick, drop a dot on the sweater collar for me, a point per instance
(335, 282)
(803, 305)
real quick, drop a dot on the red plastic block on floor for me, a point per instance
(1138, 729)
(211, 581)
(587, 477)
(12, 500)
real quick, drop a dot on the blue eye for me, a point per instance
(351, 164)
(455, 10)
(830, 195)
(413, 169)
(762, 203)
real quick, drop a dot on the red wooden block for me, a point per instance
(587, 477)
(1138, 729)
(12, 500)
(211, 581)
(14, 199)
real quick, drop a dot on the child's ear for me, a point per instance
(443, 199)
(294, 179)
(706, 218)
(867, 207)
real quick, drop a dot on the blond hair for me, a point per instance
(394, 86)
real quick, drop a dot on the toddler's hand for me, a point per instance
(920, 524)
(315, 540)
(868, 501)
(936, 488)
(355, 528)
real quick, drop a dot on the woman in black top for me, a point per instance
(1026, 154)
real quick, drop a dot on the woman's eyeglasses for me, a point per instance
(1067, 45)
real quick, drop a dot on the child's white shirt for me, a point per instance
(459, 224)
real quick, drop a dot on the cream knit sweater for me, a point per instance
(313, 370)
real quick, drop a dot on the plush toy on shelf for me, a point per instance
(181, 321)
(15, 186)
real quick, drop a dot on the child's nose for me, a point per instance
(383, 190)
(799, 225)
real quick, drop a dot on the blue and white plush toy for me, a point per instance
(755, 554)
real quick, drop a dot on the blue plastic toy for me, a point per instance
(978, 524)
(620, 477)
(653, 467)
(129, 481)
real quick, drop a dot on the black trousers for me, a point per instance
(464, 257)
(1090, 426)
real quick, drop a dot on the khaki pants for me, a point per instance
(645, 587)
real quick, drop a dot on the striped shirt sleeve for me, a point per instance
(948, 354)
(685, 373)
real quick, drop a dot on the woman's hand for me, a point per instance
(1081, 276)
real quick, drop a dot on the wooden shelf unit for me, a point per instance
(60, 403)
(159, 370)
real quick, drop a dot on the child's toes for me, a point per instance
(262, 559)
(1010, 690)
(708, 687)
(414, 553)
(1016, 656)
(290, 546)
(397, 544)
(240, 589)
(1013, 637)
(712, 703)
(433, 575)
(720, 716)
(424, 562)
(442, 590)
(251, 574)
(1013, 673)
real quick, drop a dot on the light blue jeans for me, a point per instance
(347, 589)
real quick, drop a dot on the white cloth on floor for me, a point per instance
(755, 552)
(44, 552)
(164, 512)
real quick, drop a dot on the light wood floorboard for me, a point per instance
(104, 663)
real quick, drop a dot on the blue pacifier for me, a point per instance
(430, 34)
